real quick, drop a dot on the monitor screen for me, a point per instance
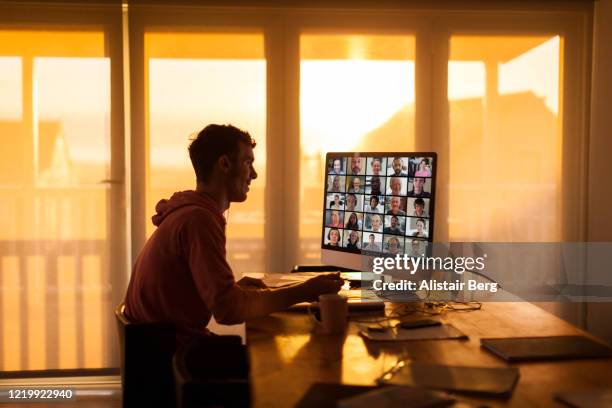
(378, 204)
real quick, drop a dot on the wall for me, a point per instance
(600, 148)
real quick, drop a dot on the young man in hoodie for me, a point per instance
(182, 274)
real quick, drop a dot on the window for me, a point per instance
(54, 231)
(489, 91)
(505, 138)
(356, 93)
(196, 79)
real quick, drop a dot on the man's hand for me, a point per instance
(252, 283)
(322, 284)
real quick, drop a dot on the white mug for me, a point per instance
(334, 313)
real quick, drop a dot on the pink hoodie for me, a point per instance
(181, 274)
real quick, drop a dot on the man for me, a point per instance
(419, 208)
(375, 185)
(375, 222)
(416, 248)
(395, 186)
(417, 188)
(397, 165)
(394, 228)
(182, 275)
(394, 207)
(355, 186)
(371, 245)
(393, 246)
(355, 165)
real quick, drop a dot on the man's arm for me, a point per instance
(203, 241)
(265, 301)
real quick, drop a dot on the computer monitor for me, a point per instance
(377, 204)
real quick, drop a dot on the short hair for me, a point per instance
(394, 216)
(374, 198)
(421, 220)
(213, 142)
(351, 195)
(419, 201)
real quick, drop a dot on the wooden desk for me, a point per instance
(287, 357)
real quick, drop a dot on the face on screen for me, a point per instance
(379, 203)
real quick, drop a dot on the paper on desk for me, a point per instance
(444, 331)
(277, 280)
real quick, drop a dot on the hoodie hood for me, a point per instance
(184, 199)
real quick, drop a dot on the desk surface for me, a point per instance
(287, 356)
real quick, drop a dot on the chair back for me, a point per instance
(146, 351)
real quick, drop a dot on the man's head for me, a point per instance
(376, 221)
(356, 183)
(225, 153)
(393, 245)
(418, 184)
(371, 238)
(375, 183)
(419, 206)
(394, 222)
(396, 185)
(395, 204)
(397, 165)
(355, 164)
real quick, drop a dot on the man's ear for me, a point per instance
(225, 163)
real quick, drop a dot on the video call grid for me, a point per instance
(369, 195)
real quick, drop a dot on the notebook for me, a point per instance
(398, 397)
(497, 382)
(597, 398)
(441, 332)
(546, 348)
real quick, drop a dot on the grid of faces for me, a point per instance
(379, 204)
